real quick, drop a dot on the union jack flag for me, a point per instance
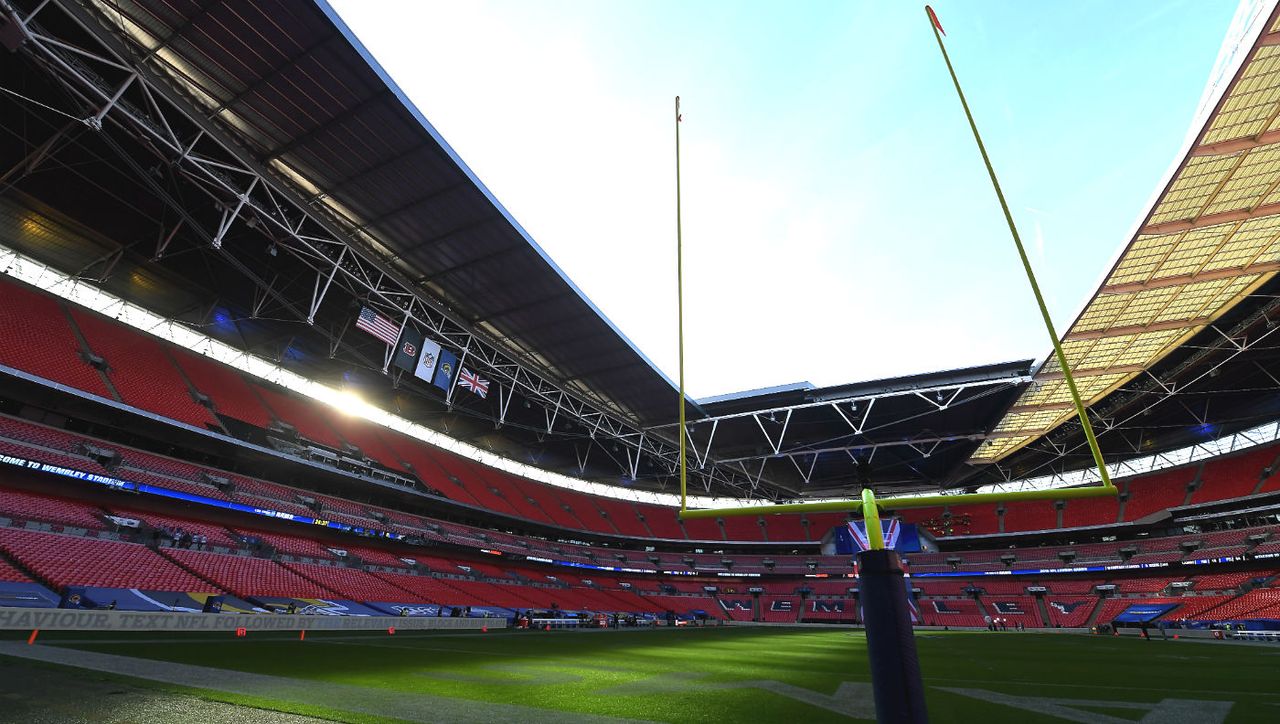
(473, 382)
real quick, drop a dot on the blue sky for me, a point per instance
(839, 225)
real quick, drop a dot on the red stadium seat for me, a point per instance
(39, 340)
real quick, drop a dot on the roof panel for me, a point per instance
(1250, 182)
(1251, 107)
(1166, 286)
(1194, 187)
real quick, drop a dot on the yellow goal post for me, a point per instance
(868, 506)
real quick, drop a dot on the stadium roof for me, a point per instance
(1209, 240)
(312, 107)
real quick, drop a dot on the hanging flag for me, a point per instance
(889, 528)
(428, 360)
(474, 382)
(407, 353)
(377, 325)
(934, 17)
(445, 370)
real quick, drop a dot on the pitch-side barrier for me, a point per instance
(31, 619)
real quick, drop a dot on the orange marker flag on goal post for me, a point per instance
(934, 17)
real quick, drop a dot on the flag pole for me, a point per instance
(680, 321)
(1061, 356)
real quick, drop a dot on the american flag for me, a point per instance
(377, 325)
(473, 382)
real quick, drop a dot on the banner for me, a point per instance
(445, 370)
(1143, 612)
(850, 538)
(25, 619)
(407, 351)
(891, 528)
(428, 358)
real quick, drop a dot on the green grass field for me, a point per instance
(706, 675)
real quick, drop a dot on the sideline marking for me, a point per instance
(1165, 711)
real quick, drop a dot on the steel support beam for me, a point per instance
(320, 239)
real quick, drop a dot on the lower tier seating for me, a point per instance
(247, 577)
(67, 560)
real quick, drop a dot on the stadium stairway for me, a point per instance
(1043, 611)
(982, 609)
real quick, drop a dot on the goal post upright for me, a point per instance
(1104, 489)
(895, 669)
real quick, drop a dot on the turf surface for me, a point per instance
(744, 674)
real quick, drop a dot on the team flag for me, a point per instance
(377, 325)
(471, 381)
(428, 360)
(446, 368)
(407, 353)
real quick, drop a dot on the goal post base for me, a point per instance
(891, 644)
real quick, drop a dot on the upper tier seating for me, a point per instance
(743, 527)
(39, 340)
(230, 394)
(300, 415)
(621, 513)
(1083, 512)
(702, 529)
(785, 528)
(1233, 476)
(662, 522)
(1030, 515)
(141, 370)
(820, 523)
(1152, 493)
(365, 436)
(549, 506)
(416, 457)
